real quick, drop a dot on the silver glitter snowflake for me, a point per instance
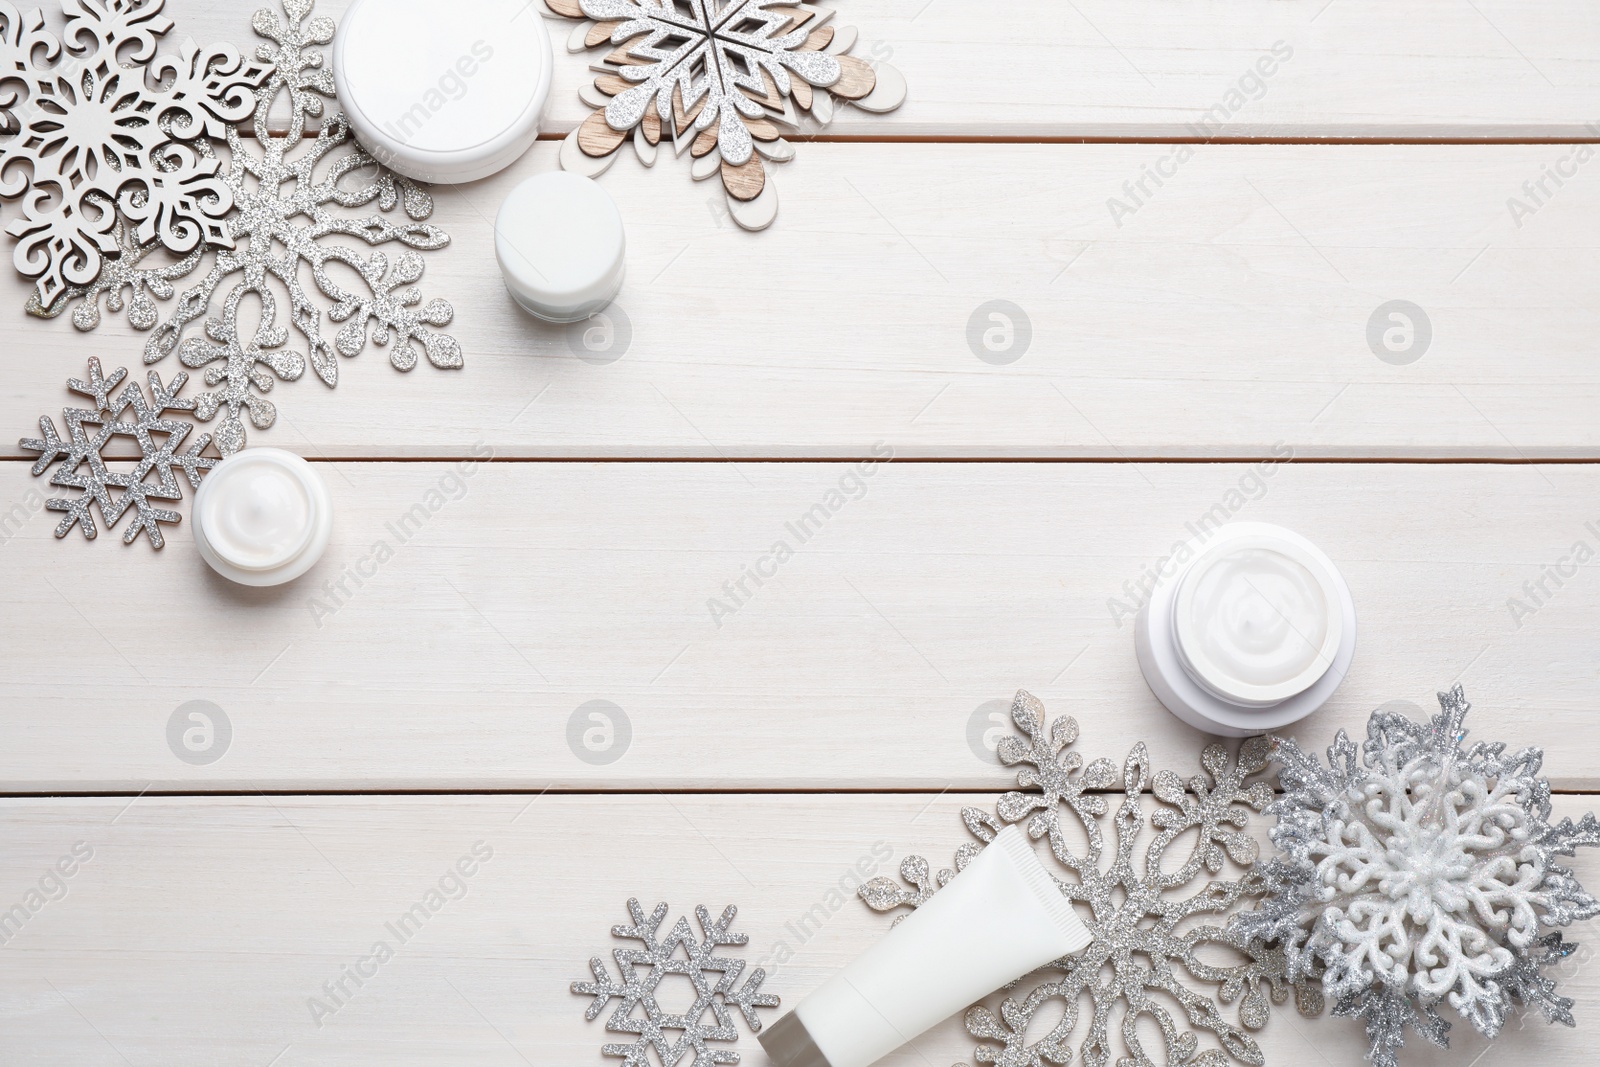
(273, 218)
(641, 972)
(286, 190)
(115, 486)
(1145, 939)
(1415, 873)
(99, 131)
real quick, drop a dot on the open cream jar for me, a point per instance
(262, 517)
(1255, 632)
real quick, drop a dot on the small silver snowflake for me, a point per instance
(115, 488)
(1415, 873)
(1145, 942)
(641, 972)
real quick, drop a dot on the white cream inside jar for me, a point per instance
(1256, 622)
(262, 517)
(1255, 631)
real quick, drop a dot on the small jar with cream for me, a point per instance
(1254, 632)
(262, 517)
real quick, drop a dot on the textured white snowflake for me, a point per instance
(114, 486)
(98, 130)
(1416, 874)
(719, 77)
(641, 973)
(1145, 940)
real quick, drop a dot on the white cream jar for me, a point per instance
(262, 517)
(1253, 633)
(443, 92)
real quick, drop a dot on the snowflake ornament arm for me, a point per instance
(1414, 873)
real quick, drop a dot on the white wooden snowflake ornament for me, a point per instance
(1415, 873)
(720, 78)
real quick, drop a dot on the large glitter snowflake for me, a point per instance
(96, 131)
(272, 215)
(1416, 873)
(642, 971)
(112, 486)
(1145, 939)
(719, 77)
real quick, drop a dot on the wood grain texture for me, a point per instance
(1516, 69)
(459, 655)
(200, 928)
(1228, 312)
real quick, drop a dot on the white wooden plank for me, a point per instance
(1231, 311)
(1519, 69)
(463, 658)
(200, 929)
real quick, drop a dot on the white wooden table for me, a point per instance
(382, 729)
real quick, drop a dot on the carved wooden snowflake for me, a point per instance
(1416, 874)
(718, 77)
(100, 130)
(1145, 939)
(274, 217)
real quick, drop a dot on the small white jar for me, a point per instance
(262, 517)
(561, 247)
(443, 92)
(1254, 632)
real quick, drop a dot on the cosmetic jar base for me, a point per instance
(221, 502)
(1163, 664)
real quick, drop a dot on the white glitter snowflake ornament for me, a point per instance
(114, 155)
(1415, 873)
(721, 78)
(99, 130)
(641, 973)
(114, 486)
(1139, 903)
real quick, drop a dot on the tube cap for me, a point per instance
(789, 1044)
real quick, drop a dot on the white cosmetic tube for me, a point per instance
(997, 920)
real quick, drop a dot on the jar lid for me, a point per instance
(262, 517)
(560, 243)
(443, 92)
